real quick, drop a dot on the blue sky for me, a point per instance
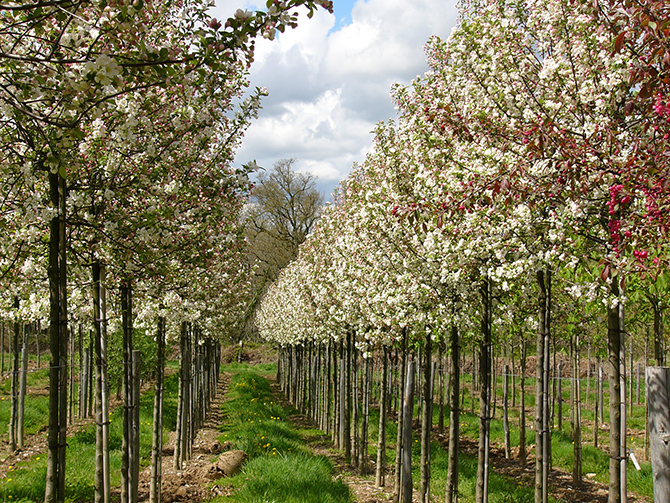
(329, 80)
(342, 11)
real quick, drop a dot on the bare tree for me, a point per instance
(283, 208)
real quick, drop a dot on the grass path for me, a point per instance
(281, 466)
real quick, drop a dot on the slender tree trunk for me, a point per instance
(63, 340)
(157, 438)
(14, 417)
(577, 424)
(129, 459)
(522, 404)
(380, 472)
(454, 419)
(56, 272)
(482, 487)
(617, 402)
(2, 349)
(659, 350)
(402, 419)
(441, 372)
(102, 483)
(508, 443)
(541, 393)
(20, 430)
(559, 395)
(426, 419)
(408, 406)
(367, 388)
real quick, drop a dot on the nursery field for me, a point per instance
(289, 459)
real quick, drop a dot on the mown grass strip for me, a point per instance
(281, 466)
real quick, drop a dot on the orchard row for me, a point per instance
(118, 200)
(523, 191)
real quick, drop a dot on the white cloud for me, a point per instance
(329, 86)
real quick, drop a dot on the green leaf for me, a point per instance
(164, 52)
(61, 171)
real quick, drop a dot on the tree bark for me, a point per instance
(617, 443)
(157, 437)
(20, 429)
(426, 419)
(14, 417)
(522, 405)
(577, 417)
(482, 485)
(380, 471)
(542, 393)
(508, 443)
(56, 272)
(408, 406)
(402, 419)
(454, 419)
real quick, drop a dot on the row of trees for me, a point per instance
(523, 190)
(119, 205)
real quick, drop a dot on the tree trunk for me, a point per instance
(402, 419)
(14, 417)
(56, 272)
(617, 400)
(130, 401)
(454, 419)
(542, 394)
(20, 430)
(426, 419)
(482, 486)
(367, 388)
(408, 406)
(102, 483)
(577, 415)
(559, 395)
(157, 438)
(441, 372)
(380, 471)
(2, 349)
(522, 405)
(508, 442)
(659, 350)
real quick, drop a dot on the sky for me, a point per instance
(329, 80)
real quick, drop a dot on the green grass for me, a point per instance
(26, 481)
(281, 466)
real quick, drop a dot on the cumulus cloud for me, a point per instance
(329, 82)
